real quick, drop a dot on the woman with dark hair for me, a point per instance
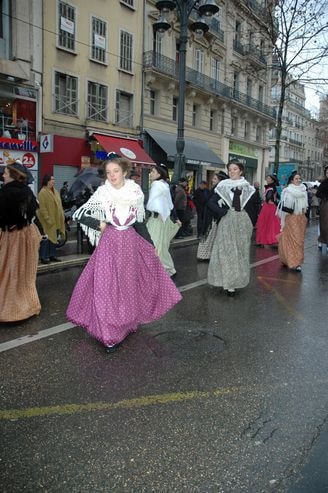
(160, 225)
(268, 223)
(210, 222)
(52, 219)
(124, 283)
(19, 246)
(291, 210)
(234, 201)
(322, 195)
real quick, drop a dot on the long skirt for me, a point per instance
(268, 225)
(323, 222)
(122, 286)
(229, 265)
(162, 233)
(291, 240)
(205, 244)
(19, 253)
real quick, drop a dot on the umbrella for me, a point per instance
(87, 178)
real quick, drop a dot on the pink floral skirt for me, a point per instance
(123, 285)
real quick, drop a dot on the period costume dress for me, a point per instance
(160, 226)
(322, 194)
(208, 234)
(291, 210)
(19, 247)
(229, 265)
(124, 283)
(268, 223)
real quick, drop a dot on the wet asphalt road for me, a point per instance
(221, 395)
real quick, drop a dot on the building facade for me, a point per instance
(92, 76)
(301, 145)
(20, 82)
(228, 91)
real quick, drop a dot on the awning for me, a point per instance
(196, 151)
(128, 148)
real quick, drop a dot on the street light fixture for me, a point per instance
(184, 8)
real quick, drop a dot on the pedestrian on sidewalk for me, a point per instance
(200, 198)
(235, 203)
(268, 223)
(322, 194)
(161, 227)
(124, 283)
(52, 219)
(292, 212)
(210, 222)
(19, 247)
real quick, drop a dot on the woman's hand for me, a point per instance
(102, 226)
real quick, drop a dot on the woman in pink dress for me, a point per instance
(124, 283)
(268, 224)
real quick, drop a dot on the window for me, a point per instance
(66, 26)
(66, 94)
(174, 108)
(213, 120)
(124, 109)
(199, 61)
(258, 133)
(234, 125)
(128, 3)
(157, 43)
(249, 89)
(97, 102)
(247, 131)
(215, 69)
(222, 121)
(5, 29)
(98, 42)
(261, 93)
(126, 44)
(152, 102)
(237, 31)
(235, 83)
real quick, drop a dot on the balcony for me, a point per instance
(250, 50)
(238, 47)
(253, 103)
(168, 67)
(295, 142)
(257, 9)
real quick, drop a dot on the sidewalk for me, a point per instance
(70, 259)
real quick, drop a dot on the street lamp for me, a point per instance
(205, 9)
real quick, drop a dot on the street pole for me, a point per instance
(184, 8)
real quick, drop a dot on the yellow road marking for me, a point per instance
(138, 402)
(283, 301)
(277, 279)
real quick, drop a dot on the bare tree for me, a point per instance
(298, 31)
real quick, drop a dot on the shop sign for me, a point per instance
(18, 145)
(46, 143)
(66, 25)
(242, 149)
(29, 159)
(25, 92)
(128, 153)
(248, 162)
(100, 41)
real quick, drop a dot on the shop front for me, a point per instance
(247, 156)
(199, 156)
(25, 151)
(62, 157)
(131, 149)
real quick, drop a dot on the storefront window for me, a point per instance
(17, 119)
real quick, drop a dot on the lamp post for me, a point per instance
(205, 9)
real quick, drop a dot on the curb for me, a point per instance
(77, 260)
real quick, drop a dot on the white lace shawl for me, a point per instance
(294, 197)
(118, 206)
(224, 189)
(160, 200)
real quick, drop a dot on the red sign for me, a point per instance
(28, 160)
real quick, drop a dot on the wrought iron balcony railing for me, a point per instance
(168, 66)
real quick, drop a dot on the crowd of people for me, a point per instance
(127, 281)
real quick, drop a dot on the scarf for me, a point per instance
(225, 190)
(160, 199)
(117, 206)
(293, 197)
